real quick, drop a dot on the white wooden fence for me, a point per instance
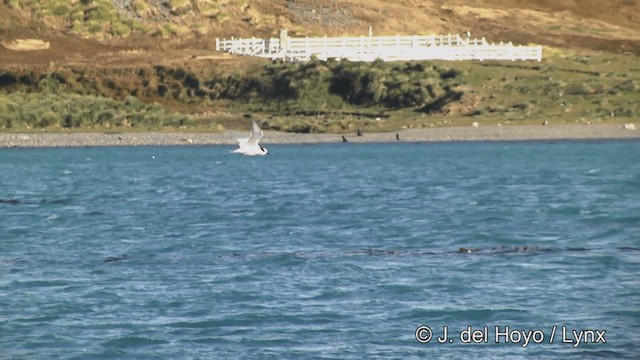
(387, 48)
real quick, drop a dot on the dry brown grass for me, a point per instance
(26, 44)
(592, 24)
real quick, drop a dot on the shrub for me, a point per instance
(104, 117)
(68, 122)
(94, 26)
(13, 4)
(576, 89)
(171, 29)
(629, 86)
(49, 119)
(139, 6)
(137, 119)
(13, 108)
(77, 15)
(178, 7)
(30, 119)
(140, 27)
(49, 84)
(152, 120)
(133, 102)
(100, 13)
(121, 29)
(6, 123)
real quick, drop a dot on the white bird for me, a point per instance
(249, 146)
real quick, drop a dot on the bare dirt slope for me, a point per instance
(612, 25)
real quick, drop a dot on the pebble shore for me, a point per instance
(481, 133)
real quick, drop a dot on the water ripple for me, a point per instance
(319, 252)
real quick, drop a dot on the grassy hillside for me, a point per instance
(570, 23)
(68, 64)
(327, 96)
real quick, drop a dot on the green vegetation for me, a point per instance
(331, 96)
(171, 30)
(99, 17)
(179, 7)
(209, 8)
(24, 111)
(565, 88)
(319, 86)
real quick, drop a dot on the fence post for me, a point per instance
(325, 53)
(284, 43)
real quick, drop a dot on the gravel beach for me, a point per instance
(481, 133)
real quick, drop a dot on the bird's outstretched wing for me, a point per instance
(254, 136)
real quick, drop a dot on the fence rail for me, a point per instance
(388, 48)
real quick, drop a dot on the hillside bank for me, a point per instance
(131, 65)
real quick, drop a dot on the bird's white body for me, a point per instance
(249, 146)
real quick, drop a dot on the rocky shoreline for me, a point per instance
(482, 133)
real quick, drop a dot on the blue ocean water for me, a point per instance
(338, 251)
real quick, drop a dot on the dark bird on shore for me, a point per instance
(359, 132)
(397, 137)
(545, 122)
(344, 139)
